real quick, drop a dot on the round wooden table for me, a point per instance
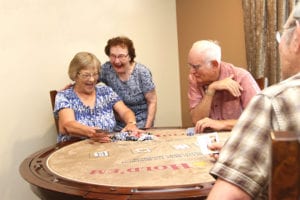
(169, 167)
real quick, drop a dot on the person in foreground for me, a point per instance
(218, 91)
(131, 80)
(85, 109)
(242, 169)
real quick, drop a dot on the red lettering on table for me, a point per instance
(160, 167)
(95, 171)
(140, 169)
(137, 169)
(110, 171)
(176, 166)
(169, 134)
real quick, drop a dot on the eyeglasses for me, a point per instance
(120, 56)
(87, 76)
(279, 34)
(195, 67)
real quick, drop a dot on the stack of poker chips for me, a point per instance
(130, 136)
(190, 131)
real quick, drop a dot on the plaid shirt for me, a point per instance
(245, 158)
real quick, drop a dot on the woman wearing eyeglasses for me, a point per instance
(131, 80)
(86, 110)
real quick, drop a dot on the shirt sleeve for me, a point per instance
(195, 94)
(245, 158)
(250, 89)
(61, 102)
(146, 80)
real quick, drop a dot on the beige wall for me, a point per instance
(208, 19)
(38, 39)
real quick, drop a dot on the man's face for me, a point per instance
(202, 70)
(286, 54)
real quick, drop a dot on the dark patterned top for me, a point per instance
(101, 116)
(132, 91)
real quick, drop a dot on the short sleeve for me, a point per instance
(145, 77)
(61, 102)
(194, 93)
(250, 88)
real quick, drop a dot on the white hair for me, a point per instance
(209, 48)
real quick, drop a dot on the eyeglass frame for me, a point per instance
(197, 67)
(120, 56)
(293, 24)
(87, 76)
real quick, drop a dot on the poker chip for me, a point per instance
(190, 131)
(130, 136)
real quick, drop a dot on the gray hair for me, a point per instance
(296, 13)
(83, 60)
(209, 48)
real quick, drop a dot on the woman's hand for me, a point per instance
(131, 127)
(100, 136)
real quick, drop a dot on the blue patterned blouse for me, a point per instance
(131, 91)
(102, 116)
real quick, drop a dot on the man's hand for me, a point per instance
(227, 84)
(217, 146)
(208, 123)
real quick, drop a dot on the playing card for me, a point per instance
(204, 140)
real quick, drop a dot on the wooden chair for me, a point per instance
(52, 98)
(285, 170)
(262, 82)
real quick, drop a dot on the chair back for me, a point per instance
(52, 98)
(285, 170)
(262, 82)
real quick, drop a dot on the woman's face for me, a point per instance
(86, 80)
(119, 58)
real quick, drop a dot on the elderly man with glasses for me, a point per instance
(242, 169)
(218, 91)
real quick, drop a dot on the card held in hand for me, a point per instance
(205, 139)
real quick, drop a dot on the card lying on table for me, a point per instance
(204, 140)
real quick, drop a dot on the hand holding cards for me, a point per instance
(101, 136)
(204, 140)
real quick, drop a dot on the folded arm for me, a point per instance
(202, 110)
